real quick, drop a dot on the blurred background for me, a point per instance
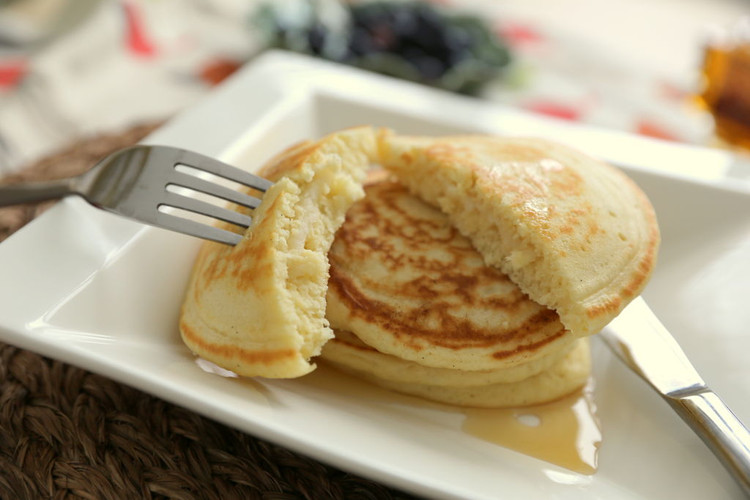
(675, 70)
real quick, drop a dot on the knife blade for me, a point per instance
(640, 340)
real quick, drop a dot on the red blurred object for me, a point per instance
(12, 72)
(557, 110)
(217, 70)
(137, 40)
(651, 129)
(518, 34)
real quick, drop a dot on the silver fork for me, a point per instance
(144, 182)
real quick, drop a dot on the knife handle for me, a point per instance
(720, 429)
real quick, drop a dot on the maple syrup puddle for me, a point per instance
(565, 432)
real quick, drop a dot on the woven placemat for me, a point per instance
(67, 433)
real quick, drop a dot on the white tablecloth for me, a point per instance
(626, 64)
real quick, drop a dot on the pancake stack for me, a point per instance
(468, 270)
(416, 309)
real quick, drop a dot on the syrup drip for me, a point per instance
(565, 432)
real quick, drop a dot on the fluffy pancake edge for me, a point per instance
(567, 374)
(541, 193)
(258, 308)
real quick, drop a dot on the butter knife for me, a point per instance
(639, 339)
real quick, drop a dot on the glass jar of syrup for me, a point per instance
(725, 91)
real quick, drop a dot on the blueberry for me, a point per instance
(409, 39)
(316, 37)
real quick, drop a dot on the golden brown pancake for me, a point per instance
(408, 284)
(468, 281)
(567, 372)
(346, 349)
(575, 234)
(258, 308)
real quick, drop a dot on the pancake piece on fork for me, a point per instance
(577, 235)
(258, 308)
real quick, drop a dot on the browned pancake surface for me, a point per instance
(573, 232)
(409, 284)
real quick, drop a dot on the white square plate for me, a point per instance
(103, 293)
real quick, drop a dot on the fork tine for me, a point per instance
(204, 208)
(193, 228)
(207, 187)
(216, 167)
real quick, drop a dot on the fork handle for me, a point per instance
(720, 429)
(30, 192)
